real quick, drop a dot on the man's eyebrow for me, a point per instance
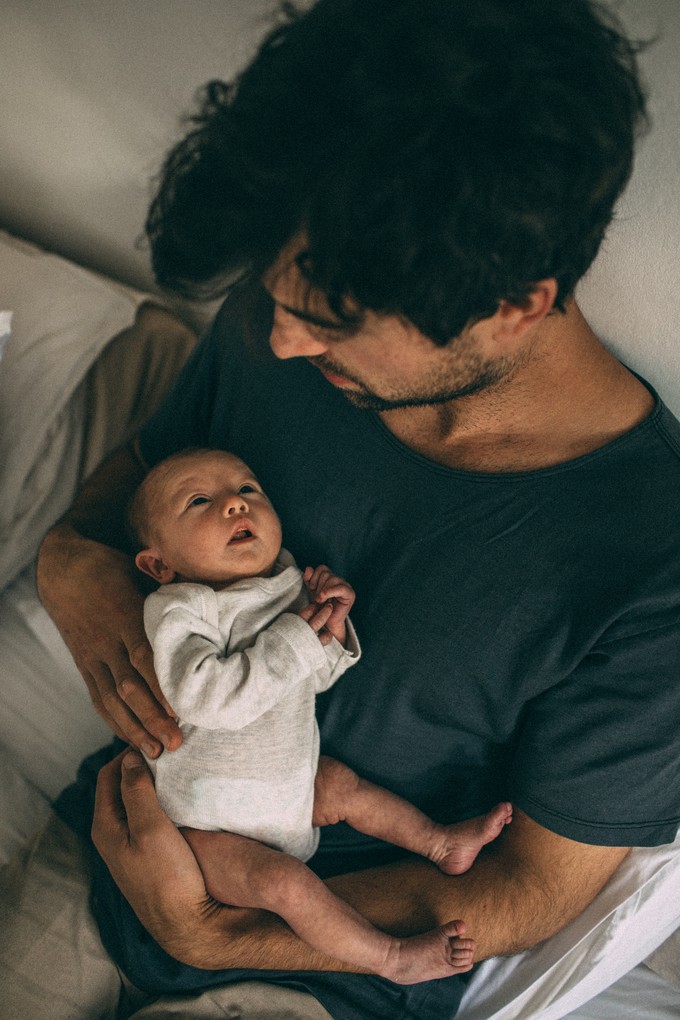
(315, 320)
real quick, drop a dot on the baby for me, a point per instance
(243, 641)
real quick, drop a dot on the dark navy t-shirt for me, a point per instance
(520, 631)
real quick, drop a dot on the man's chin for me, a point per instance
(366, 401)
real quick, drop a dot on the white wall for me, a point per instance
(92, 91)
(631, 296)
(92, 95)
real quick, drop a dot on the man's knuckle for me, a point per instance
(150, 718)
(102, 711)
(110, 699)
(138, 656)
(125, 687)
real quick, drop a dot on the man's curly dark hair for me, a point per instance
(438, 156)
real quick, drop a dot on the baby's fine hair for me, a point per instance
(139, 517)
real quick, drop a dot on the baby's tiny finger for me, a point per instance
(320, 618)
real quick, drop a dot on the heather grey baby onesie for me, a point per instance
(241, 670)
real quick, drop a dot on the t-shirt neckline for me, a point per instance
(495, 476)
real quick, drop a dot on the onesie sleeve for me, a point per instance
(338, 659)
(214, 689)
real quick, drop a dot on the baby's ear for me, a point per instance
(153, 565)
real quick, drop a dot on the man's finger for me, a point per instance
(140, 654)
(125, 718)
(110, 820)
(154, 722)
(98, 704)
(138, 793)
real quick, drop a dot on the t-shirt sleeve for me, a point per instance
(605, 743)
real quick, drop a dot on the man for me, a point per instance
(410, 192)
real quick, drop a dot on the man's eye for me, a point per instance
(330, 333)
(198, 500)
(247, 488)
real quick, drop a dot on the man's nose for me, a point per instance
(290, 337)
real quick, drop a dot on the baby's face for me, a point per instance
(213, 522)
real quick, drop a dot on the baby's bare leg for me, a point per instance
(245, 873)
(341, 795)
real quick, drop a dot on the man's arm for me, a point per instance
(528, 886)
(90, 587)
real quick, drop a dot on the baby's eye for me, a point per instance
(198, 500)
(247, 488)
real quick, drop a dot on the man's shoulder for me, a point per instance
(245, 316)
(649, 455)
(648, 452)
(668, 427)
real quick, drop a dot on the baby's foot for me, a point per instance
(459, 844)
(436, 954)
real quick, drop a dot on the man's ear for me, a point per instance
(513, 321)
(150, 563)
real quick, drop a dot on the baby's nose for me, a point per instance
(235, 505)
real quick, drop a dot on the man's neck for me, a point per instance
(571, 396)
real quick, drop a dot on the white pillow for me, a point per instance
(62, 318)
(22, 809)
(5, 329)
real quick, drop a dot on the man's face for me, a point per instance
(213, 523)
(383, 364)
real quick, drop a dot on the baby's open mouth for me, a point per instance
(241, 535)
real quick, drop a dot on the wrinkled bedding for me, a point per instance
(62, 318)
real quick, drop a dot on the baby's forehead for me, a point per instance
(192, 468)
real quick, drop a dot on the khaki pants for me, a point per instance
(53, 965)
(129, 380)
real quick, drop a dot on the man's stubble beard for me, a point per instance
(476, 375)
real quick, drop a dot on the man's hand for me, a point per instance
(147, 856)
(91, 590)
(328, 591)
(156, 871)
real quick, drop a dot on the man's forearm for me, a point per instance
(526, 887)
(90, 586)
(229, 938)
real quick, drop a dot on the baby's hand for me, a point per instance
(332, 598)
